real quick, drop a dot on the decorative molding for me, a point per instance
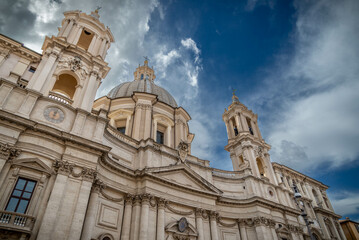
(182, 151)
(68, 168)
(219, 219)
(143, 106)
(8, 152)
(63, 167)
(184, 213)
(108, 197)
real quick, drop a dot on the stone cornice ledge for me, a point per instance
(256, 199)
(325, 211)
(52, 131)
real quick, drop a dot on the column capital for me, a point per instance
(129, 199)
(161, 202)
(213, 215)
(8, 152)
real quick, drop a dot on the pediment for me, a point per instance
(33, 163)
(183, 176)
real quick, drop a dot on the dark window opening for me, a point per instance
(32, 69)
(121, 129)
(250, 130)
(160, 137)
(235, 131)
(87, 33)
(249, 126)
(141, 76)
(21, 196)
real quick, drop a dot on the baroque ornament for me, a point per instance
(182, 151)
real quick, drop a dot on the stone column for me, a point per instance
(63, 28)
(68, 28)
(75, 29)
(80, 210)
(244, 123)
(147, 132)
(274, 234)
(168, 136)
(155, 130)
(126, 226)
(161, 219)
(213, 222)
(92, 44)
(102, 48)
(228, 134)
(37, 82)
(199, 223)
(42, 206)
(336, 233)
(88, 97)
(137, 122)
(242, 229)
(231, 129)
(53, 205)
(135, 219)
(238, 122)
(127, 130)
(145, 207)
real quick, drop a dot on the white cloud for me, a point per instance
(191, 44)
(313, 97)
(345, 203)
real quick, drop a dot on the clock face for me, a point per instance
(54, 114)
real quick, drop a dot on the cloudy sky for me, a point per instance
(294, 63)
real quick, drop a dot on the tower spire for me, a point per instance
(234, 97)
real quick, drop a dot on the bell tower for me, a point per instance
(73, 63)
(246, 146)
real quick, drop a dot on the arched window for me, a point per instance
(260, 167)
(65, 85)
(235, 127)
(250, 128)
(85, 39)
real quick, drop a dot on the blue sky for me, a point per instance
(294, 63)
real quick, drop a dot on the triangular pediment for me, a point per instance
(33, 163)
(184, 176)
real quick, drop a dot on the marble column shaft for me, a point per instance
(126, 226)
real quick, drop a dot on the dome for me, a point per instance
(128, 88)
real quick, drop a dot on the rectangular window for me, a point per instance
(21, 196)
(122, 129)
(160, 137)
(32, 69)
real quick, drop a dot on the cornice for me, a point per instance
(64, 136)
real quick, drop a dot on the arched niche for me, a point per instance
(121, 120)
(66, 84)
(162, 128)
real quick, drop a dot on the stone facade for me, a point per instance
(121, 167)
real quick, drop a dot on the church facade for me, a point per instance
(120, 167)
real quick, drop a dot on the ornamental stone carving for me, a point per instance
(8, 153)
(63, 167)
(182, 151)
